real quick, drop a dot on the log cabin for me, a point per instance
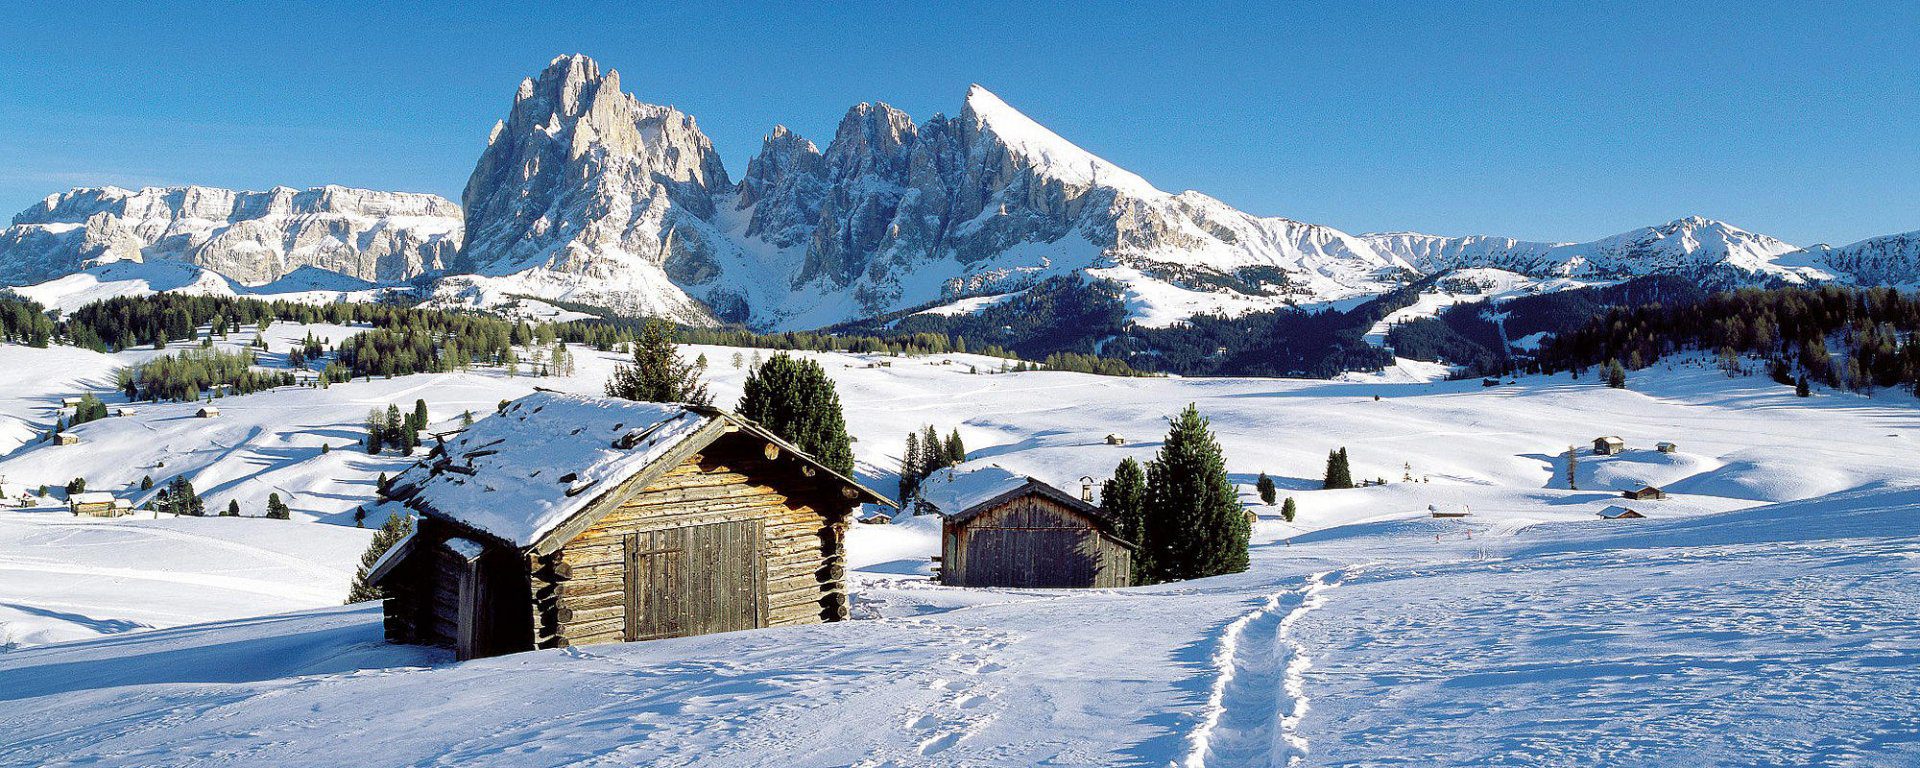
(96, 504)
(1644, 493)
(1620, 513)
(1608, 446)
(568, 520)
(1001, 529)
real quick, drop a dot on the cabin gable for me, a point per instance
(1032, 539)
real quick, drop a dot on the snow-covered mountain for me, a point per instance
(250, 237)
(587, 194)
(1690, 246)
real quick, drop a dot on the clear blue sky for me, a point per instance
(1536, 120)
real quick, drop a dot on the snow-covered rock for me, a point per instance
(249, 237)
(1693, 246)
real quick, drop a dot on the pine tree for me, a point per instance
(933, 452)
(1573, 469)
(376, 427)
(389, 534)
(1288, 510)
(1124, 498)
(1265, 486)
(795, 399)
(1195, 526)
(146, 482)
(1801, 388)
(657, 374)
(76, 486)
(1616, 375)
(910, 465)
(277, 509)
(380, 485)
(233, 508)
(956, 450)
(1339, 472)
(419, 414)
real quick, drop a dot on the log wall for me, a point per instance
(1032, 541)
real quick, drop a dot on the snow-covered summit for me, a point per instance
(1050, 154)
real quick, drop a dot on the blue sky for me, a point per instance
(1535, 120)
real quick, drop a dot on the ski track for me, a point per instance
(1259, 689)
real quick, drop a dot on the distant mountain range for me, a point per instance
(586, 195)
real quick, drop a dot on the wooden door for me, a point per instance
(695, 580)
(1029, 557)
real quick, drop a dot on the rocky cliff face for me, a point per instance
(250, 237)
(586, 194)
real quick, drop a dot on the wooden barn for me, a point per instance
(1644, 493)
(66, 438)
(1608, 446)
(1116, 440)
(1001, 529)
(569, 520)
(1620, 513)
(1667, 447)
(207, 412)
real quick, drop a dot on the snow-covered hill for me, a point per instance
(1757, 616)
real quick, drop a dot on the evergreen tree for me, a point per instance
(657, 374)
(380, 485)
(277, 509)
(795, 399)
(76, 485)
(1573, 469)
(1339, 472)
(1124, 498)
(146, 482)
(1288, 510)
(1801, 387)
(389, 534)
(180, 499)
(956, 450)
(233, 508)
(1265, 486)
(376, 428)
(910, 467)
(419, 414)
(1194, 524)
(934, 453)
(1616, 375)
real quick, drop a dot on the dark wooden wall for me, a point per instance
(1032, 541)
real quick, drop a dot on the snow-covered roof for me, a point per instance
(524, 473)
(92, 497)
(520, 474)
(960, 494)
(1615, 511)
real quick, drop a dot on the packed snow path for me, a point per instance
(1259, 697)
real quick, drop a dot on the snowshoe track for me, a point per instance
(1253, 714)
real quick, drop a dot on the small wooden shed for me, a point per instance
(1608, 446)
(1667, 447)
(1116, 440)
(1644, 493)
(1620, 513)
(1001, 529)
(207, 412)
(96, 504)
(568, 520)
(66, 438)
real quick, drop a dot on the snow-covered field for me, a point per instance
(1764, 614)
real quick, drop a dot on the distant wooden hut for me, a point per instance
(1644, 493)
(1001, 529)
(96, 504)
(66, 438)
(570, 520)
(69, 402)
(123, 411)
(1116, 440)
(1620, 513)
(1608, 446)
(208, 412)
(1667, 447)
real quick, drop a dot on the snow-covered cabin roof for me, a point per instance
(961, 494)
(1616, 512)
(92, 497)
(520, 475)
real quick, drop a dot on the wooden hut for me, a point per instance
(207, 412)
(95, 504)
(1001, 529)
(1644, 493)
(123, 411)
(1667, 447)
(1116, 440)
(1608, 446)
(1620, 513)
(66, 438)
(569, 520)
